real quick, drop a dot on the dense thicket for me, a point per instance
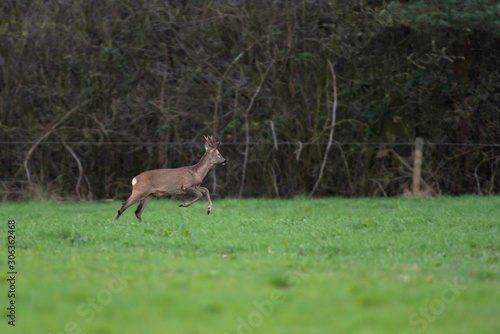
(94, 92)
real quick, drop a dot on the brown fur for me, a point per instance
(177, 181)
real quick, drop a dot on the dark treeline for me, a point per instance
(94, 92)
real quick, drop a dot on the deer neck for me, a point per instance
(203, 166)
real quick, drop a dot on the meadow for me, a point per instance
(332, 265)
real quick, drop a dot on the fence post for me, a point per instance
(417, 166)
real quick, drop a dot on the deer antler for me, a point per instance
(209, 140)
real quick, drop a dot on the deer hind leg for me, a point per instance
(207, 194)
(142, 205)
(194, 191)
(134, 198)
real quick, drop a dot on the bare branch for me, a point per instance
(80, 169)
(330, 139)
(219, 86)
(247, 127)
(42, 137)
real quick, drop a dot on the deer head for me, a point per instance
(212, 148)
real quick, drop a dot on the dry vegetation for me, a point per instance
(91, 93)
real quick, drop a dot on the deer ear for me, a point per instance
(216, 145)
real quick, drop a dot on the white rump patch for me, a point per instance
(134, 181)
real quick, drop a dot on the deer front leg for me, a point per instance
(191, 190)
(207, 194)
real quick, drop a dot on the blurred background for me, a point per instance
(94, 92)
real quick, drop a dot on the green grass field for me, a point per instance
(256, 266)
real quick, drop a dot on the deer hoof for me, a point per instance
(182, 205)
(208, 211)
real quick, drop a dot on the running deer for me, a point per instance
(177, 181)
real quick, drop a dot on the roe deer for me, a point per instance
(177, 181)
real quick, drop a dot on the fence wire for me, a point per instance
(260, 143)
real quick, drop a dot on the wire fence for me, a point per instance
(103, 169)
(240, 143)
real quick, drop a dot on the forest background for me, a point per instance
(94, 92)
